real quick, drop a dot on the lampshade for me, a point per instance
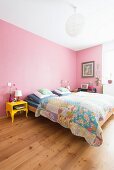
(74, 24)
(18, 93)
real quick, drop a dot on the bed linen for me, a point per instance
(32, 103)
(80, 112)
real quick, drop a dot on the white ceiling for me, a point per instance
(47, 19)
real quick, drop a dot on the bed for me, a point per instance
(83, 113)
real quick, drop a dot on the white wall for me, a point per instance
(108, 62)
(108, 67)
(108, 89)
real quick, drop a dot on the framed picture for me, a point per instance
(84, 86)
(88, 69)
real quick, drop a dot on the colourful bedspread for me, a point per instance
(80, 112)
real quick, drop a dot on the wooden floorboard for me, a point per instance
(39, 144)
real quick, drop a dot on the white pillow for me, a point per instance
(38, 94)
(60, 92)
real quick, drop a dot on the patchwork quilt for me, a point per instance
(80, 112)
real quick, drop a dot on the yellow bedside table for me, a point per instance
(14, 107)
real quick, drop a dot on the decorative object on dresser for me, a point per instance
(88, 87)
(14, 107)
(84, 86)
(12, 88)
(97, 76)
(18, 94)
(97, 81)
(10, 91)
(65, 83)
(110, 79)
(88, 69)
(93, 90)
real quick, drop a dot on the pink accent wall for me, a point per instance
(32, 62)
(90, 54)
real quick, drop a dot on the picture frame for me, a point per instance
(88, 69)
(84, 86)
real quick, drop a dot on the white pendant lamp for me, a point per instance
(74, 24)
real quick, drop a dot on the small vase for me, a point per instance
(10, 98)
(109, 81)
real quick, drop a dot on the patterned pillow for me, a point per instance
(60, 93)
(63, 89)
(33, 97)
(45, 91)
(40, 95)
(38, 100)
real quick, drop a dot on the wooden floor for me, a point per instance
(39, 144)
